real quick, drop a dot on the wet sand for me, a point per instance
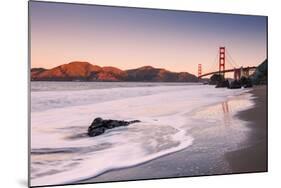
(253, 158)
(208, 155)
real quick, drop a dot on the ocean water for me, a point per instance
(61, 112)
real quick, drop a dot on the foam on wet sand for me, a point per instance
(173, 118)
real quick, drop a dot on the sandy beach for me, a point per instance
(253, 158)
(209, 155)
(209, 131)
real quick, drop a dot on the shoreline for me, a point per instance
(192, 162)
(253, 158)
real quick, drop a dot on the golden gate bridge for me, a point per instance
(221, 58)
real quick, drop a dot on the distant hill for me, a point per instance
(84, 71)
(78, 71)
(260, 74)
(36, 71)
(151, 74)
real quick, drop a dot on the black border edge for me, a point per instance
(267, 169)
(146, 8)
(29, 94)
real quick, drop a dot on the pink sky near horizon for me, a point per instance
(135, 42)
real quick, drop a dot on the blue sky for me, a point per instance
(130, 37)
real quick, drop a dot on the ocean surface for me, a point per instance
(61, 112)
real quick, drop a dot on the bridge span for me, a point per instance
(242, 70)
(237, 70)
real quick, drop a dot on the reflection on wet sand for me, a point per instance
(223, 113)
(226, 113)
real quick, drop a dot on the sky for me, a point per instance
(130, 38)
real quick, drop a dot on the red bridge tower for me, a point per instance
(199, 70)
(222, 60)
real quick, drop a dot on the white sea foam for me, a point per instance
(61, 153)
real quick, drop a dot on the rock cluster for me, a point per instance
(100, 125)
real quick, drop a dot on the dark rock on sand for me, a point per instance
(223, 83)
(246, 82)
(235, 85)
(100, 125)
(249, 84)
(216, 78)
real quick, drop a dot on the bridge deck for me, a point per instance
(225, 71)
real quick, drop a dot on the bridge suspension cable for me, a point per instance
(231, 60)
(214, 64)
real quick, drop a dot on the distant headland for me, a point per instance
(85, 71)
